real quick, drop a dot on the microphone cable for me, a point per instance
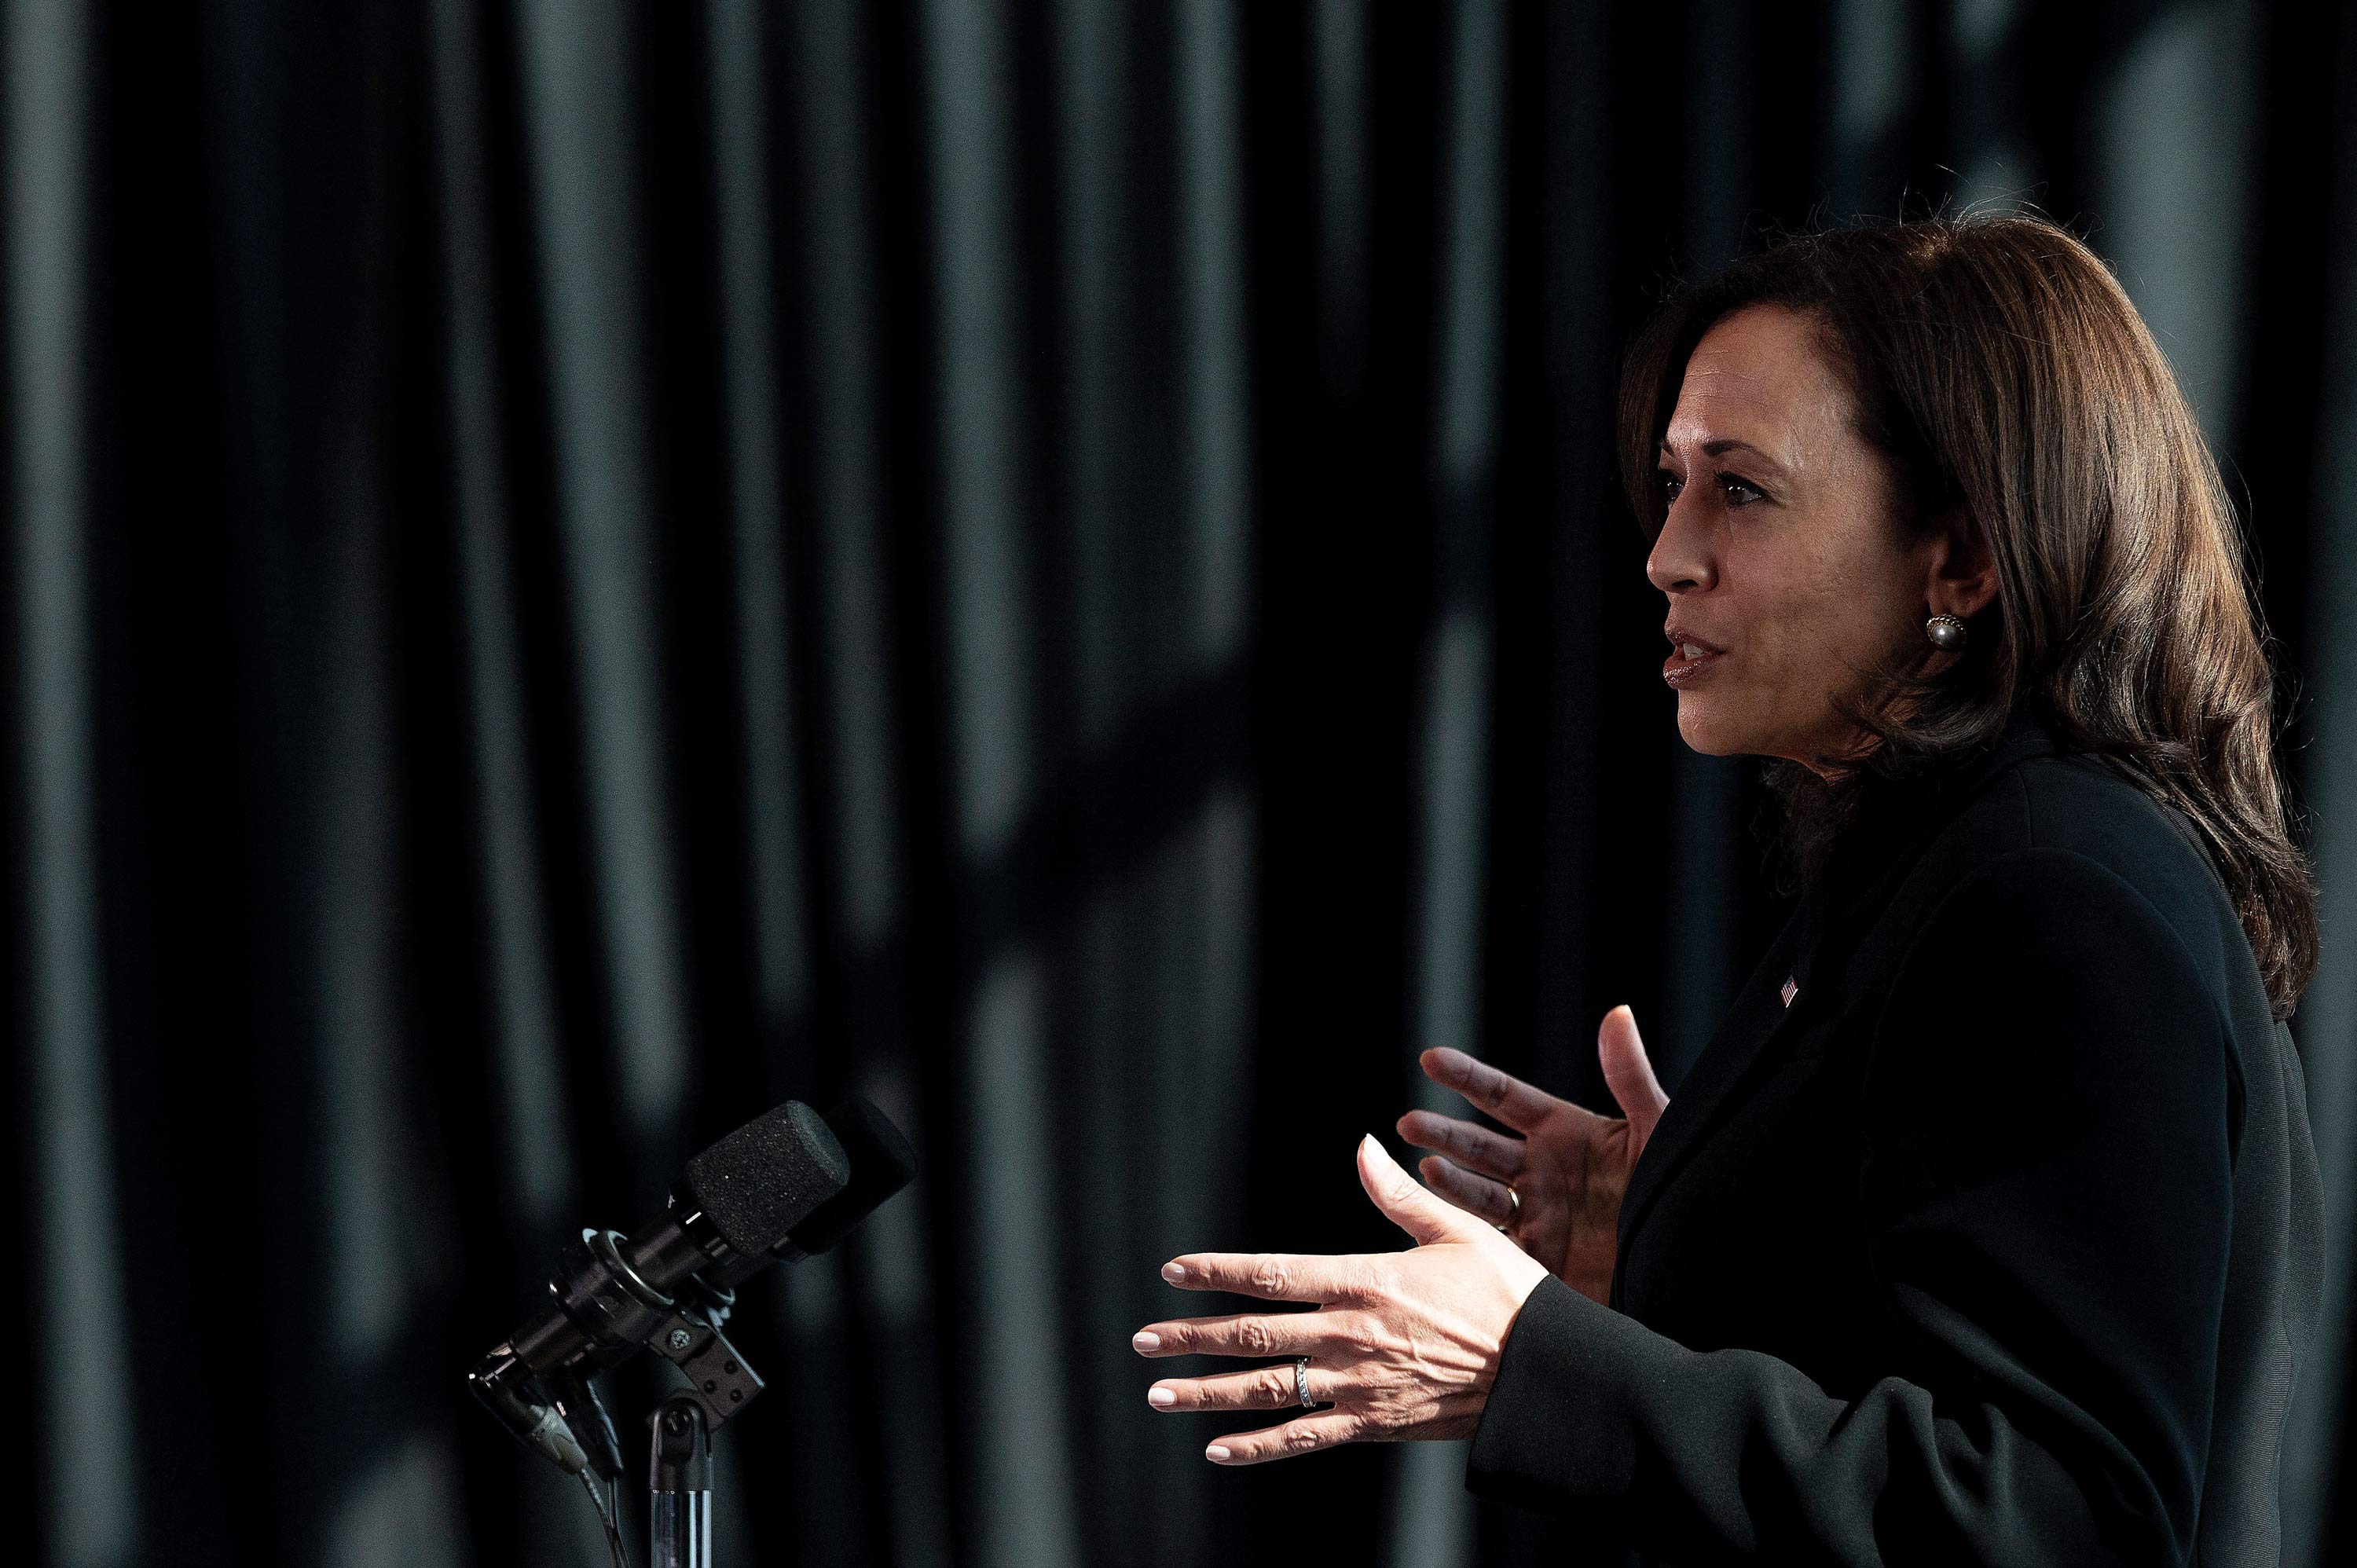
(609, 1505)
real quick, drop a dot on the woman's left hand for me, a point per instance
(1403, 1346)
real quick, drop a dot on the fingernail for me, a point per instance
(1161, 1396)
(1146, 1341)
(1175, 1272)
(1217, 1453)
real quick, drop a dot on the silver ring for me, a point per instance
(1301, 1381)
(1514, 1208)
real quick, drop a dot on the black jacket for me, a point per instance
(2000, 1243)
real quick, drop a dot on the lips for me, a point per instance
(1679, 670)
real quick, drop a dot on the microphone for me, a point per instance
(882, 1162)
(779, 1190)
(737, 1200)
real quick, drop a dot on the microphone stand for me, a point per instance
(671, 1287)
(558, 1412)
(679, 1440)
(679, 1432)
(679, 1485)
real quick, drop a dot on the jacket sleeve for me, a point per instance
(2050, 1120)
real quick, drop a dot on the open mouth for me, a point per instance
(1681, 672)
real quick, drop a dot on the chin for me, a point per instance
(1711, 733)
(1696, 729)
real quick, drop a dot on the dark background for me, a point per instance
(575, 570)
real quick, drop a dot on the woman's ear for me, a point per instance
(1960, 570)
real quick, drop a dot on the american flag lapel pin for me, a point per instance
(1790, 991)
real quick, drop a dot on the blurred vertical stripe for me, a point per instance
(89, 1493)
(578, 569)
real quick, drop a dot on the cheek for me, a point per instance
(1814, 617)
(1798, 604)
(1846, 593)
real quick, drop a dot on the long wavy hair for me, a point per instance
(1999, 365)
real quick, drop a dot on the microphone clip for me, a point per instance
(555, 1410)
(718, 1374)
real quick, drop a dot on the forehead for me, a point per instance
(1761, 375)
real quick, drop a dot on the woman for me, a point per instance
(1986, 1229)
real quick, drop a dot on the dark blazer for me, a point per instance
(1999, 1243)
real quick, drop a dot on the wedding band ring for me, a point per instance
(1514, 1208)
(1301, 1381)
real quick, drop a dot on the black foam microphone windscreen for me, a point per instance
(882, 1162)
(760, 1181)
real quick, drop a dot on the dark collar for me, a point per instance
(1896, 821)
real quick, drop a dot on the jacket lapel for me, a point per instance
(1711, 1085)
(1879, 849)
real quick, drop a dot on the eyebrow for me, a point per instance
(1723, 444)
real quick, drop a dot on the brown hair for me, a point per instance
(1998, 363)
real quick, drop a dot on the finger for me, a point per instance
(1501, 1094)
(1407, 1205)
(1477, 1196)
(1261, 1388)
(1240, 1334)
(1621, 1051)
(1272, 1276)
(1303, 1435)
(1476, 1148)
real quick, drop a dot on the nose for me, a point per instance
(1680, 561)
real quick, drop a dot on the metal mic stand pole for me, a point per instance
(679, 1446)
(679, 1485)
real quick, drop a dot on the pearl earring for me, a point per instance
(1946, 633)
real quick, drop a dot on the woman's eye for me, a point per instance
(1669, 483)
(1740, 492)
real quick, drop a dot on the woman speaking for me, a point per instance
(1987, 1228)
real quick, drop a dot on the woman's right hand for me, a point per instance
(1569, 1167)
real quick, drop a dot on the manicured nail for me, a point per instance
(1175, 1272)
(1217, 1453)
(1146, 1341)
(1161, 1396)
